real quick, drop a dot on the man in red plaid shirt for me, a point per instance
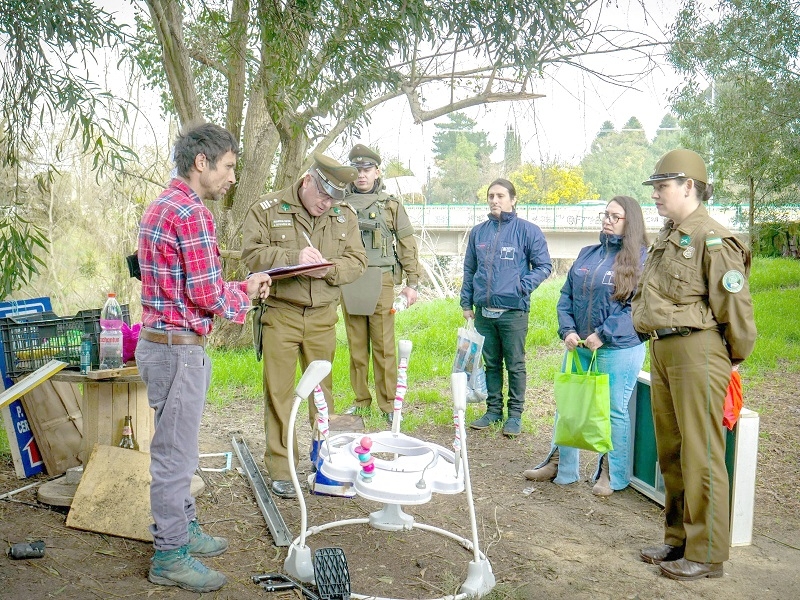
(182, 290)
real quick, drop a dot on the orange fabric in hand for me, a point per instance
(733, 401)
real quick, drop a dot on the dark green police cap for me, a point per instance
(361, 156)
(331, 175)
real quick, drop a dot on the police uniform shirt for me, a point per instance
(696, 276)
(273, 236)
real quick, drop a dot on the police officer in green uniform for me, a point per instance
(694, 303)
(388, 238)
(305, 223)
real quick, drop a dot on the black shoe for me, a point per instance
(389, 417)
(655, 555)
(283, 489)
(357, 410)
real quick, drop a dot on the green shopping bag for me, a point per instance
(583, 406)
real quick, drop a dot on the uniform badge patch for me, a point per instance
(336, 210)
(713, 242)
(285, 206)
(281, 223)
(341, 219)
(689, 252)
(685, 240)
(733, 281)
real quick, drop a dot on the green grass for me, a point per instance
(432, 326)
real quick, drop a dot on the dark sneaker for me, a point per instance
(283, 489)
(203, 545)
(389, 417)
(178, 567)
(512, 427)
(485, 421)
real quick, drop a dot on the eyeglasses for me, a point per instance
(611, 217)
(326, 197)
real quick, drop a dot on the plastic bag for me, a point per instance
(583, 406)
(130, 337)
(469, 360)
(733, 401)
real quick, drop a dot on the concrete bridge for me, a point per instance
(568, 228)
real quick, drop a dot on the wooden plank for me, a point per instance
(91, 399)
(77, 377)
(120, 408)
(30, 381)
(143, 416)
(53, 422)
(115, 477)
(113, 373)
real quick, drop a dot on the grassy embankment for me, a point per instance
(432, 326)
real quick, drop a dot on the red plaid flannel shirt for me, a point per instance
(182, 285)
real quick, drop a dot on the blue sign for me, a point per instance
(23, 445)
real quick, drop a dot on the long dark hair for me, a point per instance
(628, 263)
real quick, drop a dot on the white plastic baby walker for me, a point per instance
(414, 472)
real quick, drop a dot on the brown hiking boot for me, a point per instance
(546, 472)
(602, 486)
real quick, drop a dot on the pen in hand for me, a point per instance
(308, 239)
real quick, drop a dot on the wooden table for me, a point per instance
(107, 397)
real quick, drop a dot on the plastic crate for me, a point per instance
(32, 341)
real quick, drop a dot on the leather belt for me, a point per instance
(172, 337)
(668, 331)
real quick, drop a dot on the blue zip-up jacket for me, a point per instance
(586, 306)
(506, 259)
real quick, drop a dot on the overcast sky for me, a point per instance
(560, 126)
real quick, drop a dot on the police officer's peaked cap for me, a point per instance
(679, 163)
(332, 176)
(361, 156)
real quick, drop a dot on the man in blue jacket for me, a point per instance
(506, 259)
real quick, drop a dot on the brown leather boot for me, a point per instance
(602, 486)
(547, 472)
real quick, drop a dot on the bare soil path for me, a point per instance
(543, 540)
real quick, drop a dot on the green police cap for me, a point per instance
(332, 176)
(679, 163)
(361, 156)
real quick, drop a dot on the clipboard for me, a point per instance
(293, 271)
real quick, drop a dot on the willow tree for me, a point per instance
(290, 77)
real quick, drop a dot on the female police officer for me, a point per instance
(694, 302)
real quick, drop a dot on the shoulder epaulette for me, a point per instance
(350, 206)
(268, 203)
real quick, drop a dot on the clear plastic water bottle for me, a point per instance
(400, 303)
(111, 334)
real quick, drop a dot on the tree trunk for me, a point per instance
(167, 18)
(294, 145)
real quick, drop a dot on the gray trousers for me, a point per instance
(177, 379)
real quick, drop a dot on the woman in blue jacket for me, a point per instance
(506, 260)
(594, 314)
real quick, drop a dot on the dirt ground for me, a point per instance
(543, 540)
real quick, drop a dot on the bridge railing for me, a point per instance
(559, 217)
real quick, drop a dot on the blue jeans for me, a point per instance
(623, 366)
(504, 343)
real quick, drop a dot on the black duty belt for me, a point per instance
(172, 337)
(668, 331)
